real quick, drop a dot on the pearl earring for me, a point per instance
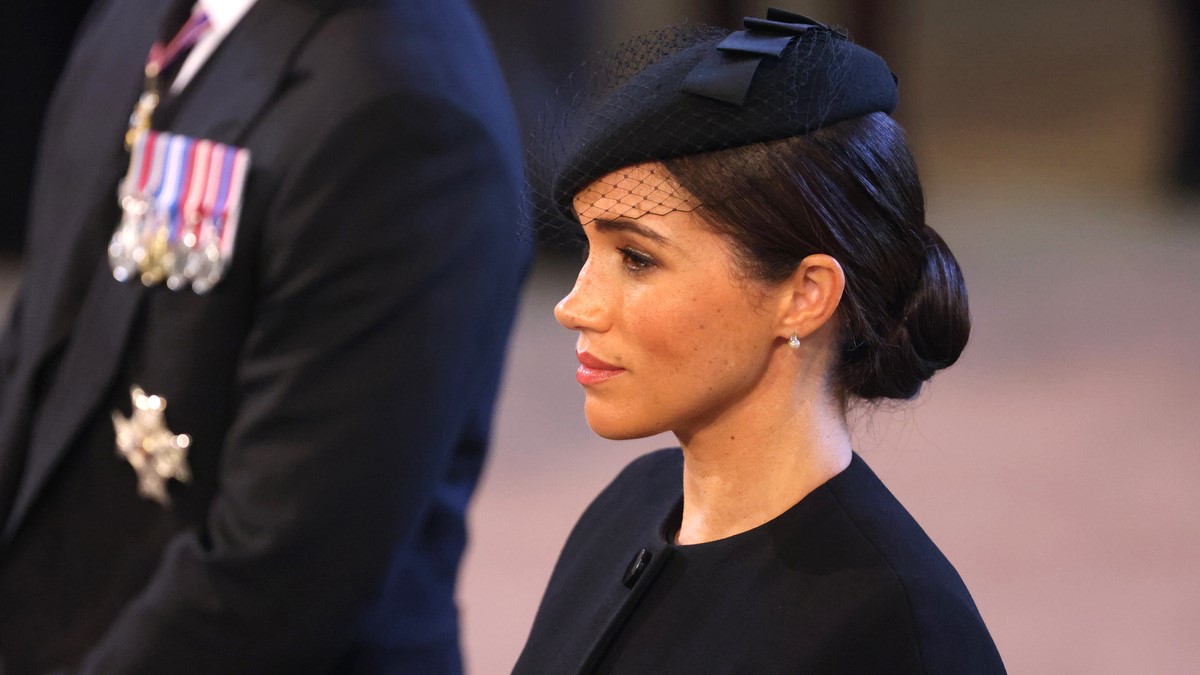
(794, 342)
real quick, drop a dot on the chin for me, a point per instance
(618, 433)
(619, 426)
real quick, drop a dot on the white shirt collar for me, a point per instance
(223, 15)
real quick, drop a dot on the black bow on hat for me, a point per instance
(725, 73)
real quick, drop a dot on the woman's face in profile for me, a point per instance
(671, 334)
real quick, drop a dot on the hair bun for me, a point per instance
(930, 335)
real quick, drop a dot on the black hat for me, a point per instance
(688, 90)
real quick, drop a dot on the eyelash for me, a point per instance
(636, 261)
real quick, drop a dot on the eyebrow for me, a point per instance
(622, 225)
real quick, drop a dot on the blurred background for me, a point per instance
(1057, 463)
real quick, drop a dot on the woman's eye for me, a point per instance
(636, 261)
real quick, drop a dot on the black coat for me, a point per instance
(337, 385)
(843, 582)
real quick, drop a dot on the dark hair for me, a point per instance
(849, 190)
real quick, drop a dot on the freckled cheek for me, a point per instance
(673, 335)
(727, 345)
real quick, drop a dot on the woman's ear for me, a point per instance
(811, 295)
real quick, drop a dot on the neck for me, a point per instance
(759, 458)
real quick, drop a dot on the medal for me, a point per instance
(181, 201)
(156, 453)
(156, 237)
(181, 197)
(134, 206)
(186, 236)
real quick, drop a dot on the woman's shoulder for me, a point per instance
(874, 515)
(659, 473)
(947, 623)
(644, 492)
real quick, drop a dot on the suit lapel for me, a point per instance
(79, 165)
(244, 74)
(222, 103)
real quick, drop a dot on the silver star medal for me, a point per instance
(156, 454)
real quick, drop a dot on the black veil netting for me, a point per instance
(684, 90)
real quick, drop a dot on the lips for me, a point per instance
(593, 370)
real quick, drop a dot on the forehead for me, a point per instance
(632, 192)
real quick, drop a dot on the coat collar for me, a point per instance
(597, 581)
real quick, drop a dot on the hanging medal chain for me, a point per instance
(162, 57)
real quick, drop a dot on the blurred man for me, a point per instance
(1186, 168)
(247, 385)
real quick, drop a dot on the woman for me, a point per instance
(758, 258)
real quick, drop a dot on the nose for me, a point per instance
(582, 308)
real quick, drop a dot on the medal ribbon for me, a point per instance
(233, 204)
(185, 186)
(168, 191)
(161, 57)
(154, 181)
(219, 208)
(182, 199)
(147, 160)
(193, 207)
(208, 210)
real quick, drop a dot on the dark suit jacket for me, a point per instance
(337, 385)
(843, 582)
